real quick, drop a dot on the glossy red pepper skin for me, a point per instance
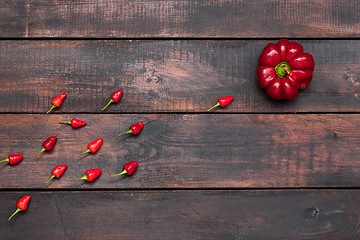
(94, 146)
(90, 175)
(48, 144)
(22, 204)
(57, 101)
(58, 171)
(75, 123)
(284, 68)
(135, 129)
(13, 159)
(223, 102)
(115, 97)
(128, 169)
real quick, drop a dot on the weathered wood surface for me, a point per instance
(220, 215)
(187, 151)
(167, 76)
(180, 18)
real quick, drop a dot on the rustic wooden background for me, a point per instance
(258, 169)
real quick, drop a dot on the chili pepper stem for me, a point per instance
(53, 106)
(130, 131)
(6, 160)
(50, 179)
(42, 150)
(217, 105)
(17, 210)
(123, 172)
(82, 178)
(87, 151)
(65, 122)
(111, 101)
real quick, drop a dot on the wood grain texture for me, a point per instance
(187, 151)
(180, 18)
(167, 76)
(220, 215)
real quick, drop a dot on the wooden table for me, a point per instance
(257, 169)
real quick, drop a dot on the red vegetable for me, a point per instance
(57, 171)
(129, 168)
(135, 129)
(75, 123)
(90, 175)
(21, 205)
(115, 97)
(13, 159)
(284, 68)
(48, 144)
(57, 101)
(93, 146)
(223, 102)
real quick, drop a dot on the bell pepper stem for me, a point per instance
(50, 179)
(217, 105)
(42, 150)
(130, 131)
(111, 101)
(53, 106)
(6, 160)
(123, 172)
(82, 178)
(17, 210)
(64, 122)
(87, 151)
(282, 69)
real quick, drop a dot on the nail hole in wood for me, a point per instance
(310, 212)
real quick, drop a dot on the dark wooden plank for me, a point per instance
(180, 18)
(220, 215)
(167, 76)
(188, 151)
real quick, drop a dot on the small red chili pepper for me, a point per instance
(58, 171)
(129, 169)
(115, 97)
(93, 146)
(75, 123)
(13, 159)
(21, 205)
(223, 102)
(90, 175)
(57, 101)
(48, 144)
(135, 129)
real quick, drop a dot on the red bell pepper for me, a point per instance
(284, 68)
